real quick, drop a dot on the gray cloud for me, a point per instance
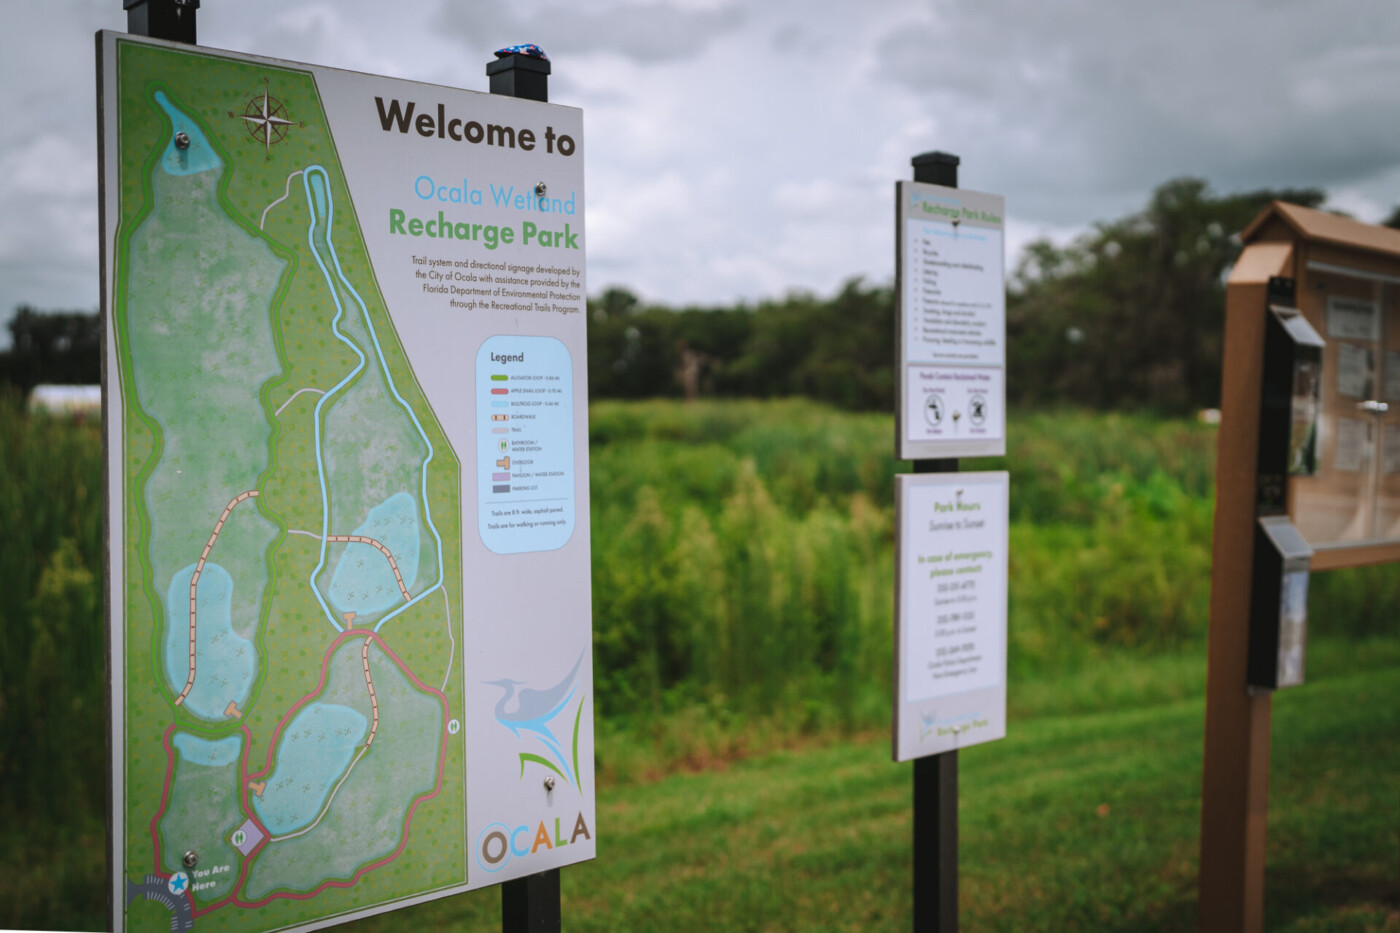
(647, 34)
(739, 151)
(48, 161)
(1086, 98)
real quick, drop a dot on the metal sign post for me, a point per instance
(936, 776)
(951, 539)
(530, 904)
(172, 20)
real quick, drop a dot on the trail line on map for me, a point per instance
(194, 584)
(164, 793)
(451, 639)
(287, 193)
(319, 201)
(330, 799)
(320, 687)
(412, 808)
(369, 685)
(294, 395)
(381, 548)
(361, 539)
(247, 813)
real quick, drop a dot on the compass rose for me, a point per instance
(266, 120)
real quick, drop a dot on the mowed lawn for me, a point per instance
(1076, 821)
(742, 590)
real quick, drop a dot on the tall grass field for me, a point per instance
(742, 603)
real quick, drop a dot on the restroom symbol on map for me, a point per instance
(246, 838)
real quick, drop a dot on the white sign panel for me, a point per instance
(952, 321)
(950, 614)
(348, 489)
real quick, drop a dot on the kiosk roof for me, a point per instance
(1313, 224)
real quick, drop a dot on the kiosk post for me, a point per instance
(1238, 720)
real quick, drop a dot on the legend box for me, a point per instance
(525, 444)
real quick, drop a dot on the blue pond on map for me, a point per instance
(211, 753)
(313, 752)
(224, 660)
(363, 581)
(198, 157)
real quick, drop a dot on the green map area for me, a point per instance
(292, 547)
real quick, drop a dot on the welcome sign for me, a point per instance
(347, 466)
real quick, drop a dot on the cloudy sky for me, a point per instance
(745, 149)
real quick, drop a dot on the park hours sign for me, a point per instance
(346, 395)
(950, 612)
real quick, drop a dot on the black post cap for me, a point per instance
(936, 168)
(519, 75)
(172, 20)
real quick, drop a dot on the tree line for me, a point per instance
(56, 347)
(1129, 315)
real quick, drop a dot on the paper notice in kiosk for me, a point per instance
(1390, 460)
(1356, 371)
(1353, 447)
(1392, 376)
(1352, 319)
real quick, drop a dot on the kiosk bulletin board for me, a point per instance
(1348, 288)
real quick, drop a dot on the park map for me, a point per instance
(291, 548)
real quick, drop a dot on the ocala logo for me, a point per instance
(498, 842)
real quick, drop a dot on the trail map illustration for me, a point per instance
(292, 693)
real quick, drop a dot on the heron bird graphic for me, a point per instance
(534, 709)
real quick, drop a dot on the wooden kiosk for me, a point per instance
(1308, 466)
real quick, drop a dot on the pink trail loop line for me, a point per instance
(234, 898)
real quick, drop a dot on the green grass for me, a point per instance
(742, 620)
(1085, 817)
(1076, 821)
